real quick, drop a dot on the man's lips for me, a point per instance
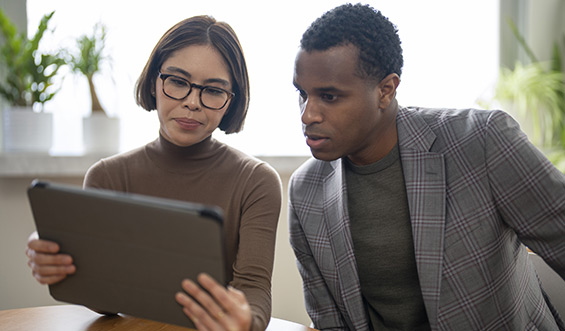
(315, 141)
(188, 124)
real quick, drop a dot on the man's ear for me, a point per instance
(387, 88)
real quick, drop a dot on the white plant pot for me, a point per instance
(26, 131)
(101, 134)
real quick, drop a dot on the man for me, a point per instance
(412, 218)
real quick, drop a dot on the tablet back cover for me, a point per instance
(131, 251)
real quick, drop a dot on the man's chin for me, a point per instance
(324, 156)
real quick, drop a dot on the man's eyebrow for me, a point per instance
(325, 89)
(186, 74)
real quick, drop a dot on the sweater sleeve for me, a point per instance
(97, 176)
(253, 266)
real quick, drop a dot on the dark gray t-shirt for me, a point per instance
(383, 244)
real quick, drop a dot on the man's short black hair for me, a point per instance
(360, 25)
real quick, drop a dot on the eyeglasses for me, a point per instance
(178, 88)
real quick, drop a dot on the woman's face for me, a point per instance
(187, 122)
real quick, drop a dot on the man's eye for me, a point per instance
(328, 97)
(302, 94)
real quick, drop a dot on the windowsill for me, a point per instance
(30, 165)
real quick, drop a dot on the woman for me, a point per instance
(196, 79)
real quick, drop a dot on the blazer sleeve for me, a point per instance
(319, 301)
(528, 190)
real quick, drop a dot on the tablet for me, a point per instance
(131, 251)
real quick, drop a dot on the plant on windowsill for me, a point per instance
(536, 94)
(88, 59)
(100, 132)
(26, 83)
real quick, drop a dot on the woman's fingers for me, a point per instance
(47, 266)
(231, 300)
(201, 318)
(41, 258)
(213, 307)
(43, 246)
(48, 273)
(48, 280)
(202, 305)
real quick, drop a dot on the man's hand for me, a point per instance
(217, 309)
(46, 265)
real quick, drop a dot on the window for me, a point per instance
(450, 52)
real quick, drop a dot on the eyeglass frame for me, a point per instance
(193, 85)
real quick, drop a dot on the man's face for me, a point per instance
(341, 112)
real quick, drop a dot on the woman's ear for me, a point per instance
(387, 88)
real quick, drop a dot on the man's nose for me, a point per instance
(310, 113)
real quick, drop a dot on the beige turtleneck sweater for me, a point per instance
(210, 172)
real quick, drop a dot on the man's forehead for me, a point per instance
(325, 67)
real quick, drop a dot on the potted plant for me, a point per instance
(100, 131)
(26, 83)
(87, 60)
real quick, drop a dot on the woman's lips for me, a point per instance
(188, 124)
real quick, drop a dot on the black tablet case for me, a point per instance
(131, 251)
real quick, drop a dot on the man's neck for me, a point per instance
(384, 143)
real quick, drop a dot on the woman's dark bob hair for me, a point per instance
(200, 30)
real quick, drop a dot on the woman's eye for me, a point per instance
(213, 91)
(178, 81)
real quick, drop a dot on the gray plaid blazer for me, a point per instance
(478, 191)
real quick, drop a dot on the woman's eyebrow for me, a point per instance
(178, 70)
(186, 74)
(217, 80)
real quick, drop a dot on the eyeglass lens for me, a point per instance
(210, 97)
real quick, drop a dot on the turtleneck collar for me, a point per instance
(173, 157)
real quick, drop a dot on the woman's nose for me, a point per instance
(192, 100)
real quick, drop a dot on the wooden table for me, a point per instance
(79, 318)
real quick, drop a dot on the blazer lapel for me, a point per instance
(337, 221)
(424, 176)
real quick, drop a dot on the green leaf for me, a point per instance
(28, 74)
